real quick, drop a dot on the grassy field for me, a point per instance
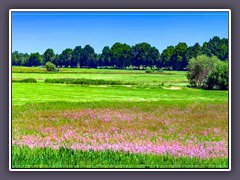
(136, 76)
(157, 123)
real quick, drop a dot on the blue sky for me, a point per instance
(37, 31)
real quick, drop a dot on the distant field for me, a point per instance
(136, 76)
(19, 69)
(158, 123)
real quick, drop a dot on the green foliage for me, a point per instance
(48, 55)
(160, 70)
(19, 59)
(87, 81)
(34, 60)
(178, 59)
(218, 77)
(88, 57)
(208, 72)
(143, 54)
(66, 57)
(28, 80)
(50, 66)
(166, 57)
(199, 68)
(148, 70)
(121, 55)
(105, 57)
(216, 47)
(193, 51)
(76, 56)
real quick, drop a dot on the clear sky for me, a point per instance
(37, 31)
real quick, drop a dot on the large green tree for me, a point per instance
(216, 47)
(193, 51)
(105, 57)
(76, 56)
(121, 55)
(19, 59)
(66, 57)
(143, 54)
(178, 59)
(35, 59)
(89, 57)
(166, 57)
(48, 55)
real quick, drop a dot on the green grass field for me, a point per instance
(136, 76)
(157, 123)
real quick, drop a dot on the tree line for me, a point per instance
(121, 55)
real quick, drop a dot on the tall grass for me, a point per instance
(24, 157)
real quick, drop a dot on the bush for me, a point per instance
(199, 68)
(160, 70)
(50, 66)
(208, 72)
(130, 67)
(148, 70)
(87, 81)
(218, 77)
(28, 80)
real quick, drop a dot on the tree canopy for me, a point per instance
(121, 55)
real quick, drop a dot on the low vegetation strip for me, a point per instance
(42, 70)
(28, 80)
(87, 81)
(25, 157)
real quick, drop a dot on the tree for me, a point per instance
(57, 61)
(19, 59)
(50, 66)
(89, 57)
(154, 58)
(76, 56)
(48, 56)
(66, 57)
(166, 57)
(193, 51)
(105, 57)
(216, 47)
(178, 59)
(16, 60)
(143, 54)
(218, 76)
(121, 55)
(199, 68)
(35, 59)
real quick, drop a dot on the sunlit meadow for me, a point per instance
(82, 126)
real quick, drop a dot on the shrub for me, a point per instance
(148, 70)
(28, 80)
(50, 66)
(87, 81)
(218, 77)
(160, 70)
(199, 69)
(130, 67)
(208, 72)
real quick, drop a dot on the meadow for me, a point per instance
(141, 121)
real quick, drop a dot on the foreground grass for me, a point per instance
(24, 157)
